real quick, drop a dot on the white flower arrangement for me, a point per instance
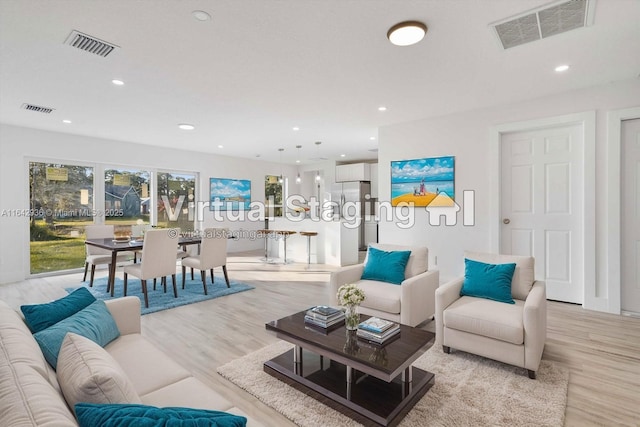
(350, 295)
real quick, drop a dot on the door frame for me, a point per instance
(587, 120)
(614, 203)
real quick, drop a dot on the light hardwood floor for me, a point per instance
(602, 351)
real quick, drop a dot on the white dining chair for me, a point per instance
(158, 260)
(213, 253)
(98, 256)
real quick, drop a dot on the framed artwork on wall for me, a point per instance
(419, 181)
(229, 194)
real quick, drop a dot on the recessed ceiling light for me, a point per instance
(186, 126)
(220, 146)
(561, 68)
(296, 128)
(382, 108)
(406, 33)
(66, 121)
(343, 155)
(117, 82)
(372, 138)
(201, 15)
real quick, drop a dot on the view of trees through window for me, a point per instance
(61, 199)
(176, 203)
(273, 194)
(126, 197)
(61, 204)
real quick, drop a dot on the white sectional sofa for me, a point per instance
(30, 394)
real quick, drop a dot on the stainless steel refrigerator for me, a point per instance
(355, 197)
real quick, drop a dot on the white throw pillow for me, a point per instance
(87, 373)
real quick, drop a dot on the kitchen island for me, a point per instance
(336, 242)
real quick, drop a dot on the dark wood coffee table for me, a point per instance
(375, 385)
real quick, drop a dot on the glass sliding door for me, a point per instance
(176, 200)
(126, 198)
(61, 204)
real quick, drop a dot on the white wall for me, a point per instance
(467, 137)
(18, 145)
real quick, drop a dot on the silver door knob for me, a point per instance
(506, 221)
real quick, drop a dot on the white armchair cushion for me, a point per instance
(418, 260)
(487, 318)
(523, 277)
(381, 296)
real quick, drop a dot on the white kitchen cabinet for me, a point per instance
(353, 172)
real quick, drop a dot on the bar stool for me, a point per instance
(308, 235)
(285, 234)
(266, 233)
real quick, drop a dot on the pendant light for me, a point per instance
(318, 155)
(298, 179)
(281, 178)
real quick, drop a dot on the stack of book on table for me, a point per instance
(324, 317)
(378, 331)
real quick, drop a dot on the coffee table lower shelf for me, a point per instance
(372, 402)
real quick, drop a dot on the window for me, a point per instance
(176, 203)
(61, 204)
(126, 197)
(273, 195)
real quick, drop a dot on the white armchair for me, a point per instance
(410, 303)
(509, 333)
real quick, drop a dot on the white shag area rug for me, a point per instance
(469, 391)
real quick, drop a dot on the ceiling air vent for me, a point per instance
(37, 108)
(547, 21)
(89, 43)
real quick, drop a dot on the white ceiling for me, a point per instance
(260, 67)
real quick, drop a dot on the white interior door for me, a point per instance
(630, 217)
(542, 181)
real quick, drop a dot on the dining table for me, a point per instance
(122, 245)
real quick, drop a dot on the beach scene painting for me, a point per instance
(419, 181)
(229, 194)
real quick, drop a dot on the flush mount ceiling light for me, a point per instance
(117, 82)
(201, 15)
(407, 33)
(382, 108)
(186, 126)
(561, 68)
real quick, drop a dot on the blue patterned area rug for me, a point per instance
(158, 300)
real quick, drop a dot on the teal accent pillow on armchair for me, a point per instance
(386, 266)
(490, 281)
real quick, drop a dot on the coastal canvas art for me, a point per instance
(229, 194)
(419, 181)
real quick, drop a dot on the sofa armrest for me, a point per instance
(446, 295)
(535, 325)
(417, 297)
(344, 275)
(126, 313)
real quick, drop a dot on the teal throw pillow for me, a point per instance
(490, 281)
(94, 322)
(133, 415)
(41, 316)
(386, 266)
